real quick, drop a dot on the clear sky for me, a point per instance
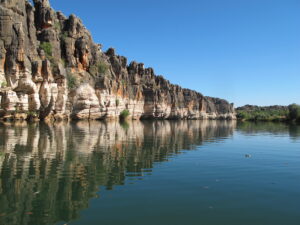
(246, 51)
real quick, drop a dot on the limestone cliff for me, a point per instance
(50, 68)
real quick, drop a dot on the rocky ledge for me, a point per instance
(50, 68)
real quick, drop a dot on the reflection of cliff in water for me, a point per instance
(274, 128)
(49, 173)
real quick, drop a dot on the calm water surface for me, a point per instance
(150, 173)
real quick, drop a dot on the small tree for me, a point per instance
(294, 112)
(99, 69)
(47, 47)
(3, 84)
(124, 114)
(102, 68)
(72, 81)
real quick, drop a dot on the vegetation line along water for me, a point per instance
(50, 172)
(289, 113)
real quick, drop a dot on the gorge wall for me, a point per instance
(50, 68)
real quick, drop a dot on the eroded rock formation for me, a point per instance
(50, 68)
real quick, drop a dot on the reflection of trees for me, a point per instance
(49, 173)
(276, 128)
(294, 131)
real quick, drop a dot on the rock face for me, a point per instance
(50, 68)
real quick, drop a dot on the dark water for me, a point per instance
(150, 173)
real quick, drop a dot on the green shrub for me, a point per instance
(32, 114)
(72, 81)
(64, 36)
(57, 26)
(47, 47)
(102, 68)
(117, 102)
(98, 69)
(124, 114)
(243, 115)
(63, 62)
(3, 84)
(260, 114)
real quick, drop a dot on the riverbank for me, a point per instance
(274, 113)
(93, 170)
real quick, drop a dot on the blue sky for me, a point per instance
(246, 51)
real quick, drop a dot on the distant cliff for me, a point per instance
(50, 68)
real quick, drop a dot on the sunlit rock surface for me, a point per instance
(50, 68)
